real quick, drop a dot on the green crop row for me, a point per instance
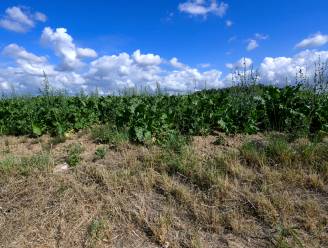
(233, 110)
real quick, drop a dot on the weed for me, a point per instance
(279, 151)
(173, 141)
(220, 140)
(24, 165)
(287, 237)
(74, 154)
(100, 153)
(254, 152)
(108, 134)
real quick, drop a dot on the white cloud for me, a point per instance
(4, 85)
(252, 44)
(40, 17)
(64, 47)
(315, 40)
(29, 63)
(111, 73)
(281, 70)
(86, 53)
(147, 59)
(123, 71)
(18, 52)
(27, 73)
(176, 63)
(20, 20)
(242, 63)
(203, 8)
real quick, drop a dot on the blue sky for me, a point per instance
(180, 42)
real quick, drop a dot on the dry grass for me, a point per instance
(241, 191)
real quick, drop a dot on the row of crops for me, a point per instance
(238, 109)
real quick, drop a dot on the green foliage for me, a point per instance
(100, 153)
(109, 134)
(142, 118)
(96, 228)
(24, 165)
(254, 153)
(287, 238)
(74, 154)
(173, 141)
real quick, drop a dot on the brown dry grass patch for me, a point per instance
(235, 192)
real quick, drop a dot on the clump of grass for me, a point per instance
(24, 165)
(220, 140)
(7, 146)
(287, 237)
(254, 152)
(58, 139)
(74, 154)
(279, 151)
(109, 134)
(173, 141)
(100, 153)
(98, 231)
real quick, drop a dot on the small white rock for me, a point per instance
(61, 168)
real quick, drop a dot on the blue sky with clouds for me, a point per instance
(113, 45)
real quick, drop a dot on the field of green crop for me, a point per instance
(249, 109)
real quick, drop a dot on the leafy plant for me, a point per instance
(100, 152)
(74, 154)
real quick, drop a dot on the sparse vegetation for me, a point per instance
(262, 190)
(24, 165)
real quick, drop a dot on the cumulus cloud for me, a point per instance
(112, 73)
(62, 43)
(108, 73)
(28, 70)
(203, 8)
(242, 63)
(282, 70)
(190, 79)
(315, 40)
(29, 63)
(20, 19)
(146, 59)
(86, 53)
(124, 71)
(176, 63)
